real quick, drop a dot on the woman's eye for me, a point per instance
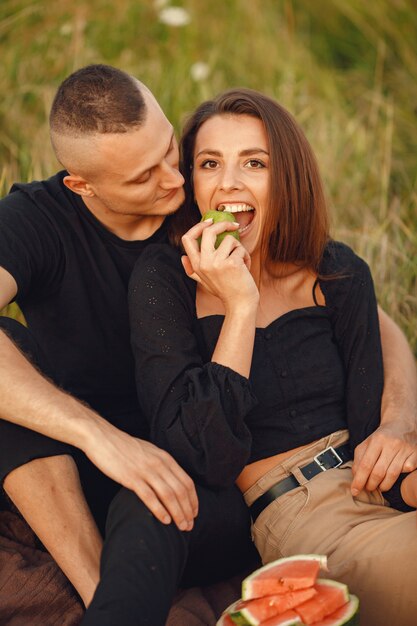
(255, 164)
(209, 165)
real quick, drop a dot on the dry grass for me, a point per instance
(346, 69)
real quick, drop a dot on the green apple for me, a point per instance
(220, 216)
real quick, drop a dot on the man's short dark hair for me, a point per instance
(97, 99)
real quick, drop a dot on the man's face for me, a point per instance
(136, 173)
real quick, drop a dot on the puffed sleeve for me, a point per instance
(349, 292)
(196, 409)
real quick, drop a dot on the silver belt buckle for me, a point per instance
(322, 464)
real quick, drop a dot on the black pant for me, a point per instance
(143, 561)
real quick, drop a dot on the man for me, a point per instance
(67, 247)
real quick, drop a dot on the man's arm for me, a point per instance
(30, 400)
(392, 448)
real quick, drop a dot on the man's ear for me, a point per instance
(78, 185)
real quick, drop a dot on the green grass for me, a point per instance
(347, 70)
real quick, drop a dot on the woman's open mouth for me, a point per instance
(242, 212)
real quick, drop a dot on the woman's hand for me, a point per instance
(224, 271)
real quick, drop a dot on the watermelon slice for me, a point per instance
(331, 595)
(288, 618)
(225, 620)
(347, 615)
(295, 572)
(254, 612)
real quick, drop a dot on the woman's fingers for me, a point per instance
(201, 238)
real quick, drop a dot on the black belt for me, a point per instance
(328, 459)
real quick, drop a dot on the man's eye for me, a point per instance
(144, 178)
(209, 165)
(255, 164)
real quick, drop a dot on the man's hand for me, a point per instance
(31, 401)
(383, 455)
(155, 477)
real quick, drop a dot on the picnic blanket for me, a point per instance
(34, 591)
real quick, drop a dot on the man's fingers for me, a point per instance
(364, 460)
(393, 470)
(191, 490)
(181, 482)
(149, 498)
(175, 498)
(379, 460)
(174, 488)
(169, 499)
(410, 463)
(382, 474)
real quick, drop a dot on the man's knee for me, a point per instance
(49, 470)
(130, 522)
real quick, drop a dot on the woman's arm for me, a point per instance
(224, 272)
(195, 407)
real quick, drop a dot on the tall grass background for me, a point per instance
(347, 69)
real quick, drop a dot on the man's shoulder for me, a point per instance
(37, 194)
(51, 186)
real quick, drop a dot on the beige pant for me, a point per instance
(370, 546)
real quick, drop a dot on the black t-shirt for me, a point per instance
(314, 370)
(72, 276)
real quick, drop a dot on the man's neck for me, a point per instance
(126, 227)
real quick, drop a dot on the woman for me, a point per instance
(261, 363)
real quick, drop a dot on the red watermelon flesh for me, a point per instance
(253, 612)
(331, 595)
(288, 574)
(288, 618)
(348, 614)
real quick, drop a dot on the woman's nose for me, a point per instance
(230, 179)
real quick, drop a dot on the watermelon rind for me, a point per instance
(247, 582)
(348, 615)
(222, 619)
(255, 612)
(225, 620)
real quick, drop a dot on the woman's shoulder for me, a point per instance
(160, 264)
(157, 258)
(340, 260)
(344, 276)
(161, 253)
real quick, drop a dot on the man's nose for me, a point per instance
(171, 176)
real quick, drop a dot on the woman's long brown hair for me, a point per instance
(295, 228)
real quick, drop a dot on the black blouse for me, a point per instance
(314, 370)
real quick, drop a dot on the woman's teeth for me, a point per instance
(235, 208)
